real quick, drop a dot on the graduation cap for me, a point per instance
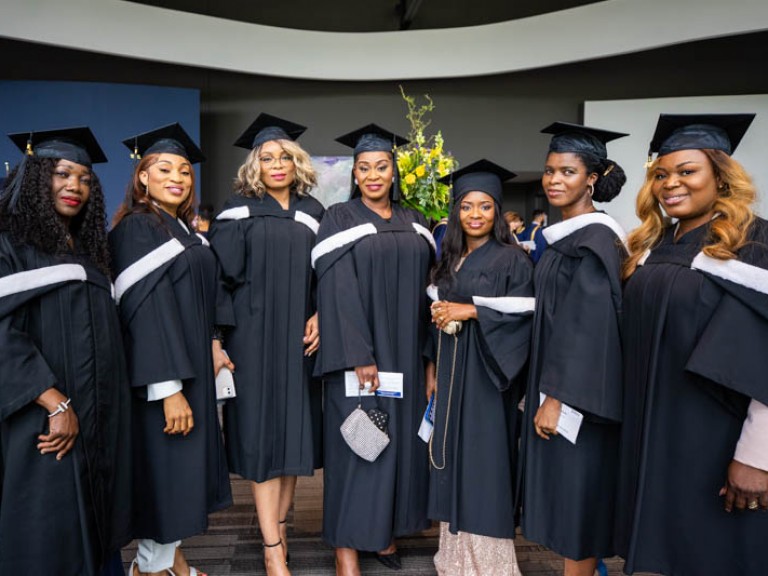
(77, 145)
(481, 176)
(699, 131)
(568, 137)
(170, 139)
(267, 127)
(371, 138)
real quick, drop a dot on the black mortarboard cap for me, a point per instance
(371, 138)
(576, 138)
(267, 127)
(699, 131)
(77, 145)
(170, 139)
(481, 176)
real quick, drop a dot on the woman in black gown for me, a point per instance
(568, 489)
(694, 473)
(64, 394)
(165, 283)
(263, 239)
(372, 259)
(485, 282)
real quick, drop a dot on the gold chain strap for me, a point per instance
(450, 395)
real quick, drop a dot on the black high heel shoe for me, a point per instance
(391, 561)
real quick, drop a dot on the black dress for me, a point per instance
(695, 355)
(372, 309)
(267, 296)
(166, 285)
(59, 328)
(567, 491)
(473, 488)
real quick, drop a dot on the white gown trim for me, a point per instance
(734, 271)
(41, 277)
(558, 231)
(145, 265)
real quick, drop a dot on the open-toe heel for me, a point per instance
(283, 542)
(275, 545)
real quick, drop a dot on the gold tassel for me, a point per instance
(649, 162)
(29, 151)
(135, 155)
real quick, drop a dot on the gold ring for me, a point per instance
(753, 505)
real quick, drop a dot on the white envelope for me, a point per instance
(390, 385)
(569, 423)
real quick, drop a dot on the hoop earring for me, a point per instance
(356, 182)
(590, 190)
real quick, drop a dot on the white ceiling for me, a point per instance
(368, 15)
(607, 28)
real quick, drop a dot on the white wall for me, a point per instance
(638, 118)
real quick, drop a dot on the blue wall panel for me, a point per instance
(113, 111)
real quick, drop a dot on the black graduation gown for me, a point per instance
(473, 489)
(567, 491)
(695, 354)
(167, 318)
(372, 310)
(267, 296)
(61, 517)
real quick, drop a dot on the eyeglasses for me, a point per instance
(269, 160)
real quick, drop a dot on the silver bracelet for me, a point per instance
(62, 407)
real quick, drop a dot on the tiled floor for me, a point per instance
(232, 544)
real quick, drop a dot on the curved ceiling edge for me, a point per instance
(145, 32)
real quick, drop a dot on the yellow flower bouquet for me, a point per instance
(422, 163)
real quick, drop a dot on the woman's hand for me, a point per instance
(220, 358)
(547, 417)
(62, 428)
(311, 335)
(444, 312)
(431, 379)
(745, 487)
(368, 375)
(178, 415)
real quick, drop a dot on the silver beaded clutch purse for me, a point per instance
(365, 432)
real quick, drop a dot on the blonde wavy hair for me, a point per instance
(248, 181)
(728, 233)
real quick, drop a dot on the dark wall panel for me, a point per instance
(113, 112)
